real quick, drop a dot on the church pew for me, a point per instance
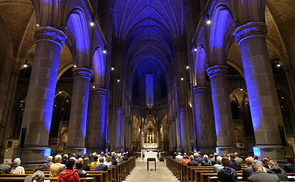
(21, 179)
(103, 173)
(206, 177)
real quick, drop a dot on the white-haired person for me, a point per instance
(119, 158)
(57, 167)
(260, 176)
(49, 162)
(218, 165)
(16, 168)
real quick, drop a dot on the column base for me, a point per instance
(206, 149)
(275, 152)
(116, 149)
(76, 150)
(32, 156)
(96, 149)
(226, 150)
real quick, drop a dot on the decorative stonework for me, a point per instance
(99, 91)
(82, 72)
(50, 33)
(217, 70)
(250, 29)
(288, 68)
(198, 90)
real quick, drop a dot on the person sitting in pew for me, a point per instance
(5, 168)
(212, 159)
(114, 159)
(290, 166)
(87, 164)
(248, 170)
(192, 161)
(261, 176)
(206, 161)
(69, 175)
(185, 160)
(218, 164)
(227, 174)
(38, 176)
(233, 163)
(119, 158)
(179, 158)
(95, 161)
(275, 169)
(49, 163)
(57, 167)
(16, 168)
(37, 168)
(238, 159)
(101, 166)
(108, 161)
(79, 168)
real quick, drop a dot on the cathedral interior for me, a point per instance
(127, 75)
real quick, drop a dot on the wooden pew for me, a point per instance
(21, 179)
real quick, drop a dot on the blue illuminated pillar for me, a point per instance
(97, 121)
(261, 88)
(116, 135)
(205, 130)
(222, 111)
(183, 130)
(79, 108)
(39, 104)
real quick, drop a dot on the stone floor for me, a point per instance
(140, 173)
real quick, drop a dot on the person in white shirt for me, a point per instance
(179, 158)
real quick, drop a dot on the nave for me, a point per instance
(140, 173)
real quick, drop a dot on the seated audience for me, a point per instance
(275, 169)
(101, 166)
(205, 161)
(290, 166)
(185, 160)
(260, 176)
(87, 164)
(199, 159)
(114, 159)
(119, 158)
(218, 164)
(174, 155)
(179, 158)
(227, 174)
(233, 163)
(39, 169)
(49, 162)
(79, 168)
(264, 163)
(69, 175)
(38, 176)
(248, 170)
(5, 168)
(238, 159)
(57, 167)
(95, 161)
(64, 159)
(108, 161)
(212, 159)
(192, 161)
(101, 154)
(16, 168)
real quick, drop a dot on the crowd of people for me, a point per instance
(227, 165)
(68, 168)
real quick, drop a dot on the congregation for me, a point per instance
(227, 165)
(68, 168)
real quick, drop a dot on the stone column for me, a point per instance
(261, 88)
(291, 81)
(205, 129)
(183, 130)
(116, 136)
(79, 108)
(39, 105)
(172, 135)
(222, 111)
(97, 123)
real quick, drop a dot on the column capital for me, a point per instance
(51, 34)
(118, 110)
(198, 90)
(181, 109)
(99, 91)
(250, 29)
(82, 72)
(217, 70)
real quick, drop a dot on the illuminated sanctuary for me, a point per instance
(130, 75)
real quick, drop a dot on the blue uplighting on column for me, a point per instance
(84, 151)
(217, 150)
(102, 118)
(256, 151)
(47, 152)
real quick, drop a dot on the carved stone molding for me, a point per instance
(217, 70)
(82, 72)
(198, 90)
(250, 29)
(99, 91)
(50, 33)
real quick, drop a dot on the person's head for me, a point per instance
(191, 157)
(249, 160)
(108, 159)
(86, 160)
(8, 162)
(179, 153)
(17, 161)
(49, 158)
(186, 156)
(236, 154)
(265, 161)
(256, 166)
(70, 164)
(289, 159)
(255, 157)
(38, 176)
(219, 160)
(272, 163)
(211, 156)
(38, 168)
(65, 156)
(113, 154)
(95, 158)
(205, 158)
(57, 158)
(14, 164)
(102, 153)
(225, 162)
(101, 160)
(79, 163)
(196, 155)
(232, 156)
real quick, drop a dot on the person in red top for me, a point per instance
(69, 175)
(185, 160)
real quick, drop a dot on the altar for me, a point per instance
(149, 154)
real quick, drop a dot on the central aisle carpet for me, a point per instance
(140, 173)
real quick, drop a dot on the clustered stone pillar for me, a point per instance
(262, 94)
(183, 130)
(206, 136)
(39, 105)
(116, 136)
(79, 108)
(172, 135)
(97, 123)
(222, 111)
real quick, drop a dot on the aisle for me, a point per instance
(140, 174)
